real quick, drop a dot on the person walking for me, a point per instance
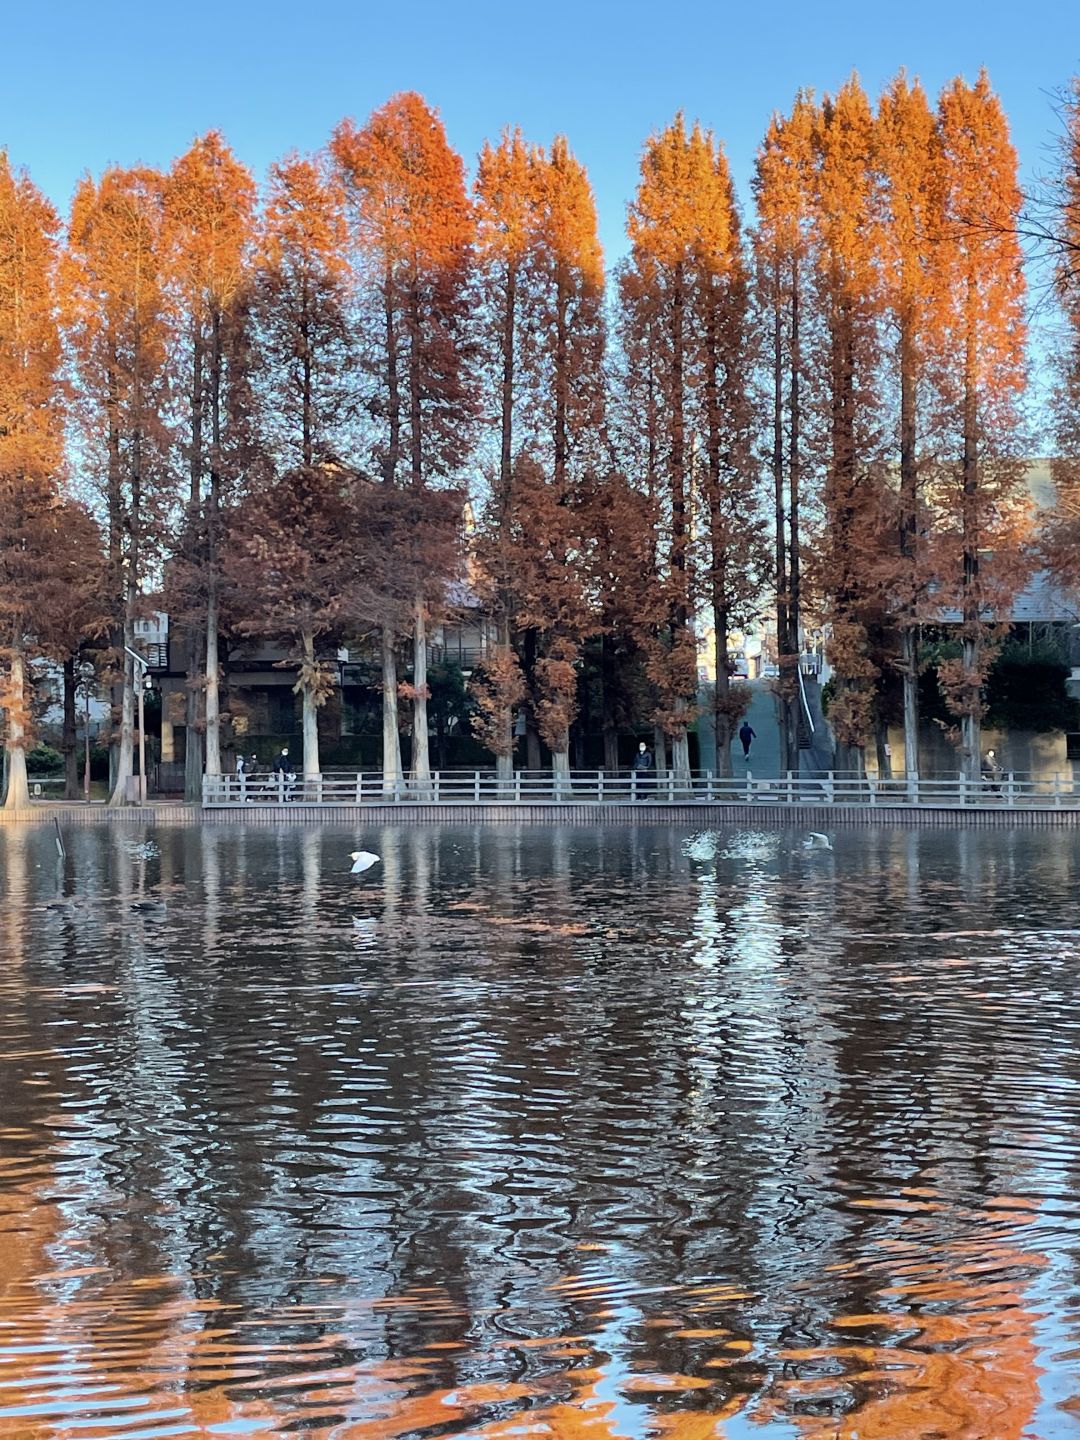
(641, 770)
(746, 735)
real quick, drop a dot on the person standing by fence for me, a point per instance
(641, 770)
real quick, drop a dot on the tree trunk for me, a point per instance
(660, 749)
(721, 714)
(793, 703)
(971, 726)
(560, 759)
(391, 738)
(783, 636)
(909, 677)
(18, 788)
(125, 766)
(70, 741)
(309, 706)
(193, 746)
(534, 759)
(504, 763)
(213, 671)
(881, 744)
(680, 748)
(608, 684)
(504, 759)
(909, 672)
(421, 760)
(213, 686)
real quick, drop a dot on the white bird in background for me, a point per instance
(817, 841)
(362, 860)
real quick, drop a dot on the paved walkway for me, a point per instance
(765, 747)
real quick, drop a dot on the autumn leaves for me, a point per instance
(890, 274)
(277, 402)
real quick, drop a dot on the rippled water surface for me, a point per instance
(529, 1132)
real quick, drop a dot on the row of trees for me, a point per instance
(274, 408)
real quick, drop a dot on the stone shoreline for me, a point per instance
(650, 813)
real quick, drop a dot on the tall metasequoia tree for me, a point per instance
(210, 204)
(687, 322)
(783, 188)
(736, 552)
(119, 328)
(507, 208)
(981, 377)
(31, 450)
(1063, 540)
(414, 232)
(638, 419)
(845, 222)
(907, 155)
(569, 424)
(663, 228)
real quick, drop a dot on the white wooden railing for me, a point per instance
(1009, 790)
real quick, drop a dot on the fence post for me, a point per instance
(398, 784)
(600, 785)
(359, 786)
(749, 785)
(790, 788)
(281, 787)
(1057, 791)
(671, 787)
(476, 786)
(1010, 792)
(830, 789)
(517, 787)
(709, 786)
(873, 791)
(436, 780)
(963, 788)
(913, 788)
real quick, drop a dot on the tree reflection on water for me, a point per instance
(553, 1133)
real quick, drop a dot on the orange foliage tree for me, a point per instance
(119, 328)
(979, 496)
(413, 226)
(507, 208)
(565, 452)
(845, 221)
(686, 322)
(209, 213)
(32, 555)
(783, 190)
(908, 160)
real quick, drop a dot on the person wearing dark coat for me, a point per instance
(642, 767)
(746, 734)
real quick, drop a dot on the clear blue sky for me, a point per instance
(112, 80)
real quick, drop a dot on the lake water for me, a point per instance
(536, 1132)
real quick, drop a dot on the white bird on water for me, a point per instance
(362, 860)
(817, 841)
